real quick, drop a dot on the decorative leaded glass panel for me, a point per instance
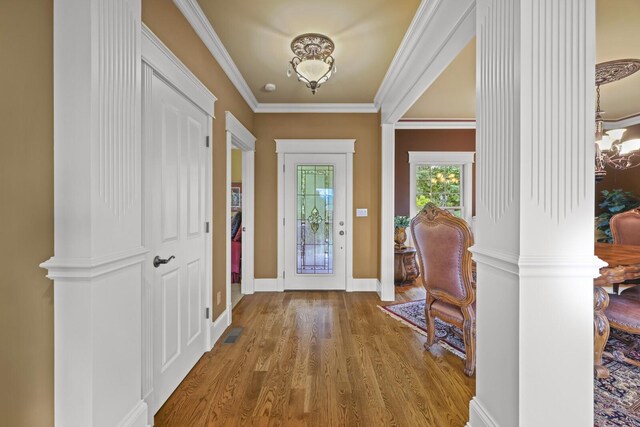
(314, 239)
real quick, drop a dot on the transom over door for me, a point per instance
(177, 212)
(315, 216)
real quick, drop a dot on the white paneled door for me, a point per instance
(177, 246)
(315, 221)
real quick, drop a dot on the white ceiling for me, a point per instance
(258, 34)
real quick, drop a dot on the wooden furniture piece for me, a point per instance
(405, 269)
(442, 241)
(623, 264)
(625, 228)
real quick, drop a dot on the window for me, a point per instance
(443, 178)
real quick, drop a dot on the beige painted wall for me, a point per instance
(236, 166)
(26, 212)
(365, 128)
(166, 21)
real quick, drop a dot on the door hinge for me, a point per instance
(206, 313)
(206, 141)
(282, 168)
(206, 227)
(282, 221)
(284, 274)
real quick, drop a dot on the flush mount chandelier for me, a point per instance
(611, 150)
(312, 63)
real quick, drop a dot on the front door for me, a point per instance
(177, 208)
(314, 229)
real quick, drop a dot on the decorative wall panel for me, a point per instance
(497, 123)
(559, 147)
(118, 27)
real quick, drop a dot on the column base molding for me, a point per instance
(478, 415)
(137, 417)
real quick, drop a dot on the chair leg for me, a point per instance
(616, 288)
(469, 331)
(431, 324)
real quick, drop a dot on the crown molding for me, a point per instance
(200, 23)
(316, 108)
(436, 124)
(623, 122)
(439, 31)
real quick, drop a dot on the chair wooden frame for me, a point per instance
(433, 216)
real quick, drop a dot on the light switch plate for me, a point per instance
(362, 212)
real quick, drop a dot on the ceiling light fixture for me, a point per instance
(610, 149)
(312, 63)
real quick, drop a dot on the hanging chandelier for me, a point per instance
(312, 63)
(611, 150)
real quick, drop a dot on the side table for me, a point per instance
(405, 267)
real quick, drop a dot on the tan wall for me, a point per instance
(627, 180)
(427, 140)
(236, 166)
(166, 21)
(365, 128)
(26, 212)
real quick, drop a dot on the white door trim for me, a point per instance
(159, 61)
(240, 138)
(316, 146)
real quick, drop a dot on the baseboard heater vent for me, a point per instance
(233, 336)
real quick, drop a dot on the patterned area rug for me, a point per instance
(617, 398)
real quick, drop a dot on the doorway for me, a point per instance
(315, 204)
(240, 211)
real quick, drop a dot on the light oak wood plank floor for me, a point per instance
(321, 359)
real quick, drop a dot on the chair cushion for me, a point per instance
(448, 312)
(633, 292)
(624, 313)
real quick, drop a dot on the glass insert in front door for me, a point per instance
(314, 234)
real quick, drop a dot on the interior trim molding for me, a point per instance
(266, 285)
(316, 108)
(622, 122)
(435, 124)
(554, 266)
(218, 327)
(242, 138)
(173, 71)
(137, 417)
(478, 416)
(439, 31)
(364, 285)
(89, 268)
(198, 20)
(500, 260)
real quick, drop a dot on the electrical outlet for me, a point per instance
(218, 298)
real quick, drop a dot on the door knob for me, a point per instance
(157, 261)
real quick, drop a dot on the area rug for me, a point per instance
(617, 398)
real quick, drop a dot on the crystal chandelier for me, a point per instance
(312, 63)
(611, 150)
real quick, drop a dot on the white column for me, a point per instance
(97, 266)
(535, 201)
(387, 203)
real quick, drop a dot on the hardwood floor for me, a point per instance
(321, 359)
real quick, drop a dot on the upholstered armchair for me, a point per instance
(625, 228)
(441, 240)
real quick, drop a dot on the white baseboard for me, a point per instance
(364, 285)
(478, 416)
(266, 285)
(219, 326)
(137, 417)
